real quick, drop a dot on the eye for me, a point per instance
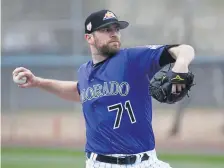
(107, 30)
(117, 29)
(104, 30)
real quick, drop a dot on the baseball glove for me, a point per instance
(160, 87)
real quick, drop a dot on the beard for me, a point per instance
(108, 50)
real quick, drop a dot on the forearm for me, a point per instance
(184, 54)
(64, 89)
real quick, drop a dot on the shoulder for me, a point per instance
(143, 48)
(84, 66)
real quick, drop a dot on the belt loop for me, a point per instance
(129, 160)
(139, 156)
(91, 155)
(94, 156)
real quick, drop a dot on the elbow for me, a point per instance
(189, 50)
(183, 51)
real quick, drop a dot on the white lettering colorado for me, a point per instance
(111, 88)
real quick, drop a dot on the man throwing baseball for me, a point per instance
(113, 89)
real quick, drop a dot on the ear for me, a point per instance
(89, 38)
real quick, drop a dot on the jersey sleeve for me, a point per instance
(78, 88)
(147, 58)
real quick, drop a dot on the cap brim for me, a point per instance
(122, 24)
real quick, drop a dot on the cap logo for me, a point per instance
(109, 15)
(89, 26)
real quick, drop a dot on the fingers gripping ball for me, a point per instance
(20, 81)
(161, 85)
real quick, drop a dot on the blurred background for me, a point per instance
(47, 36)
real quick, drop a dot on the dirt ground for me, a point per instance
(200, 130)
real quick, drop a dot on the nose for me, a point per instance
(115, 33)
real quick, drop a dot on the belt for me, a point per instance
(123, 160)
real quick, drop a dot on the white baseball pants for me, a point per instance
(152, 162)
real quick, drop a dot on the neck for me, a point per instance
(98, 58)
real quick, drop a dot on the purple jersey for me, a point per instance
(116, 102)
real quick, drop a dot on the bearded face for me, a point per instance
(107, 47)
(105, 41)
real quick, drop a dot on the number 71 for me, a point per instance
(120, 110)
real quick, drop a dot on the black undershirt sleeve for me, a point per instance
(78, 88)
(166, 57)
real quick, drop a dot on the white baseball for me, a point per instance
(19, 81)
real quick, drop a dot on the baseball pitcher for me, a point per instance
(115, 89)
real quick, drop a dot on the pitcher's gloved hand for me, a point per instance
(163, 81)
